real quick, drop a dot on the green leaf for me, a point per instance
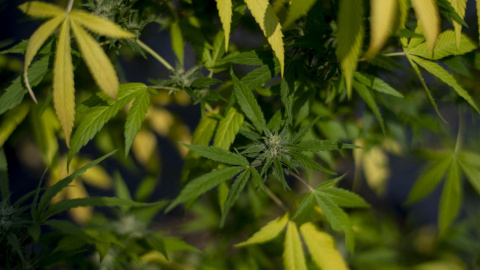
(218, 154)
(293, 258)
(382, 18)
(253, 58)
(267, 20)
(204, 132)
(203, 184)
(45, 126)
(247, 103)
(225, 12)
(297, 9)
(309, 163)
(60, 185)
(11, 120)
(267, 232)
(97, 116)
(446, 46)
(429, 180)
(344, 198)
(460, 7)
(451, 198)
(156, 242)
(177, 41)
(17, 48)
(472, 173)
(135, 117)
(12, 240)
(377, 84)
(447, 11)
(99, 25)
(234, 193)
(447, 78)
(427, 91)
(369, 99)
(337, 218)
(349, 38)
(14, 93)
(4, 186)
(92, 201)
(322, 145)
(304, 130)
(204, 82)
(121, 189)
(322, 248)
(305, 206)
(259, 76)
(228, 129)
(41, 9)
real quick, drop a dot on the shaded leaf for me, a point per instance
(472, 173)
(370, 101)
(450, 199)
(344, 198)
(234, 193)
(377, 84)
(429, 19)
(177, 41)
(218, 154)
(297, 9)
(135, 117)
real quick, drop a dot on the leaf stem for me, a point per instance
(275, 198)
(302, 181)
(69, 6)
(154, 54)
(461, 129)
(388, 55)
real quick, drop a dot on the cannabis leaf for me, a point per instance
(293, 257)
(96, 60)
(349, 38)
(297, 9)
(228, 128)
(460, 7)
(383, 14)
(428, 18)
(446, 45)
(225, 12)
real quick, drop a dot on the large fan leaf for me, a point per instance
(293, 258)
(267, 232)
(322, 248)
(267, 19)
(349, 38)
(225, 12)
(63, 88)
(228, 129)
(135, 117)
(446, 46)
(97, 61)
(41, 9)
(460, 7)
(382, 18)
(429, 19)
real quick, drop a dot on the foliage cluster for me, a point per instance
(334, 84)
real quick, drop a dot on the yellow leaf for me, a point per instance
(265, 16)
(376, 168)
(41, 9)
(97, 61)
(225, 12)
(77, 190)
(427, 14)
(96, 176)
(34, 44)
(403, 8)
(459, 6)
(381, 22)
(63, 88)
(350, 33)
(267, 232)
(144, 146)
(322, 248)
(293, 258)
(99, 25)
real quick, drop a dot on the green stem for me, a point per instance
(154, 54)
(388, 55)
(275, 198)
(302, 181)
(69, 6)
(169, 88)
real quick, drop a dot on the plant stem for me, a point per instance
(275, 198)
(388, 55)
(69, 6)
(154, 54)
(302, 181)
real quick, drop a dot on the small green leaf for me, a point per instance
(60, 185)
(446, 46)
(370, 101)
(252, 58)
(429, 180)
(247, 103)
(203, 184)
(377, 84)
(267, 232)
(204, 82)
(12, 119)
(304, 130)
(344, 198)
(309, 163)
(204, 132)
(228, 129)
(135, 117)
(337, 218)
(260, 76)
(451, 198)
(293, 258)
(234, 193)
(218, 154)
(305, 206)
(447, 78)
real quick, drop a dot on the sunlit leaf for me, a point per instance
(446, 45)
(349, 38)
(322, 248)
(293, 258)
(267, 232)
(225, 12)
(267, 19)
(41, 9)
(228, 129)
(429, 19)
(234, 193)
(99, 25)
(97, 61)
(297, 9)
(11, 120)
(63, 84)
(381, 22)
(135, 117)
(460, 7)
